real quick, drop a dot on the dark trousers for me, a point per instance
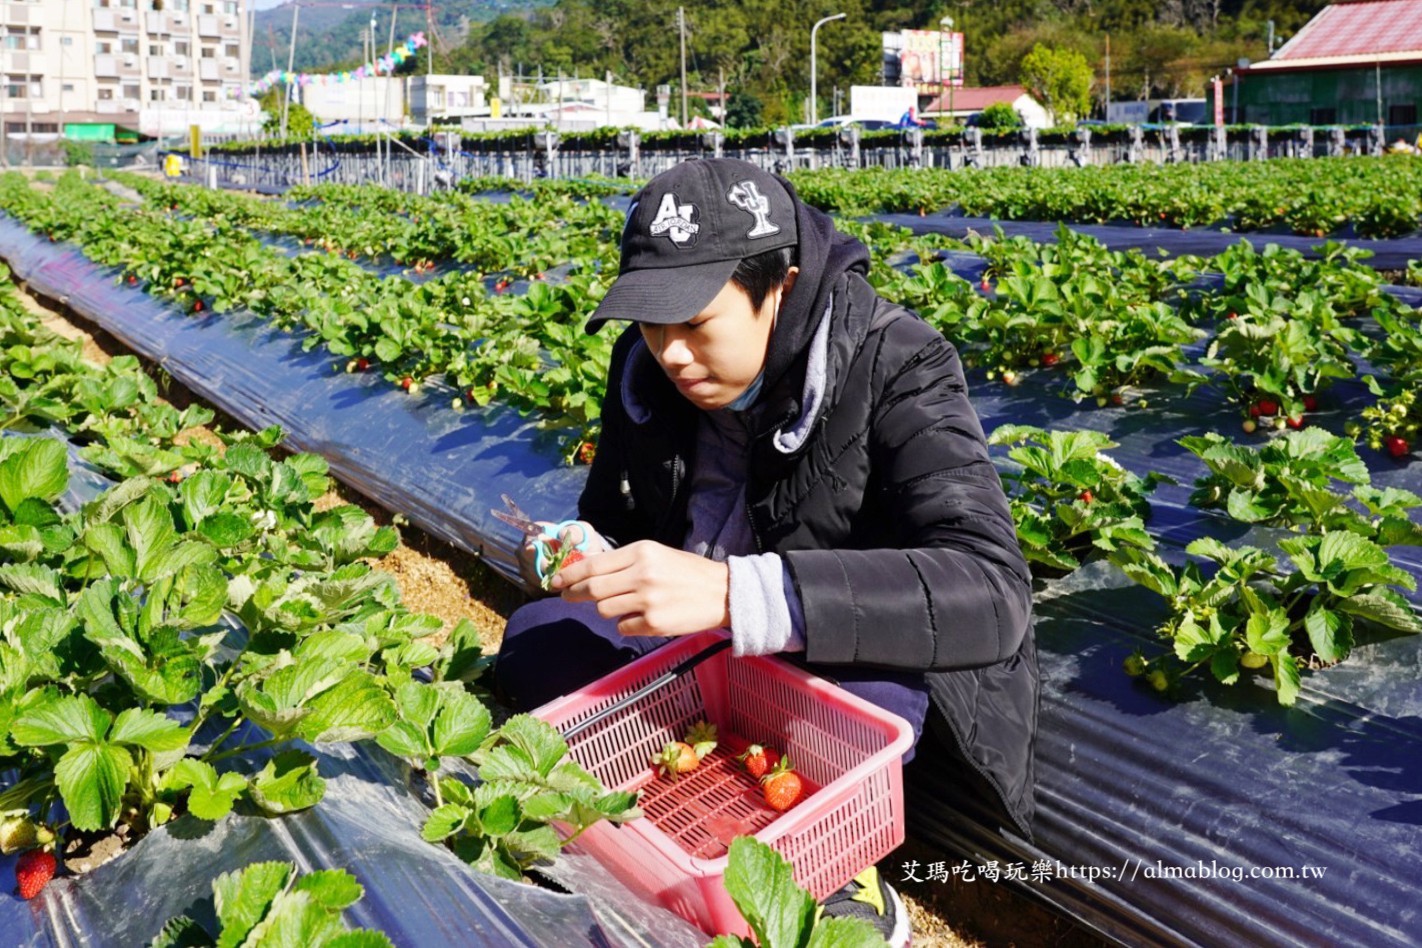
(552, 647)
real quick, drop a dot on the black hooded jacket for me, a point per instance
(890, 516)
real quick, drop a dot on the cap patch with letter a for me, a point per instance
(746, 196)
(677, 222)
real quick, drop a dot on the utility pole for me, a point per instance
(290, 65)
(608, 94)
(681, 22)
(389, 84)
(1107, 116)
(721, 95)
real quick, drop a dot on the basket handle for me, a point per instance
(666, 678)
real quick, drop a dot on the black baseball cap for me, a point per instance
(686, 232)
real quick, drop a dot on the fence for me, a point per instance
(439, 161)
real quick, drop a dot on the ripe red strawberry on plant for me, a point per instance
(33, 871)
(1050, 359)
(758, 760)
(1397, 446)
(1310, 403)
(781, 788)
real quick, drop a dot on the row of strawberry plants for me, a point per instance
(126, 697)
(528, 350)
(1112, 321)
(522, 237)
(1379, 197)
(1288, 608)
(1276, 329)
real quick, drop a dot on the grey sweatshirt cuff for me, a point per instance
(766, 615)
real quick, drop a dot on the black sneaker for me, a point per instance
(869, 897)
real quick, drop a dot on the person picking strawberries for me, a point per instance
(789, 456)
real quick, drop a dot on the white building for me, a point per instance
(84, 67)
(447, 98)
(363, 104)
(576, 105)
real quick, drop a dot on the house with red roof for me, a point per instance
(1353, 63)
(969, 100)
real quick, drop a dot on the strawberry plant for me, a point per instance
(1258, 608)
(268, 904)
(1277, 349)
(1288, 483)
(780, 913)
(527, 781)
(1069, 500)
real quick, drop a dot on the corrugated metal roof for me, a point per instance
(1357, 31)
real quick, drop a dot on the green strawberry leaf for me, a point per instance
(762, 885)
(289, 782)
(39, 470)
(333, 889)
(212, 796)
(462, 725)
(182, 932)
(91, 779)
(244, 897)
(358, 707)
(149, 730)
(71, 719)
(445, 821)
(1331, 633)
(1286, 677)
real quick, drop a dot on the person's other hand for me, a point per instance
(653, 589)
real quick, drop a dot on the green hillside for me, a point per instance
(1157, 49)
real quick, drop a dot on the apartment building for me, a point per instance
(148, 66)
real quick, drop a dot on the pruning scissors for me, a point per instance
(542, 533)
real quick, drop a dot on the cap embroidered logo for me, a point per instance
(676, 221)
(746, 196)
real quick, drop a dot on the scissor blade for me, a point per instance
(522, 523)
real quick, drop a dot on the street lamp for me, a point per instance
(944, 25)
(814, 104)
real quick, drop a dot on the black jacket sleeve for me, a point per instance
(955, 592)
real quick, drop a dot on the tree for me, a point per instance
(999, 116)
(743, 110)
(1060, 79)
(300, 123)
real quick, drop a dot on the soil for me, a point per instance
(441, 580)
(87, 852)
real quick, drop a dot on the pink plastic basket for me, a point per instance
(847, 751)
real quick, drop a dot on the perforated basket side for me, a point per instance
(824, 738)
(618, 749)
(866, 827)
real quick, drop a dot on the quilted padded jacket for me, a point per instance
(890, 518)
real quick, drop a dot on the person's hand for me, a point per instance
(573, 533)
(654, 589)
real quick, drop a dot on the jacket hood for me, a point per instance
(824, 255)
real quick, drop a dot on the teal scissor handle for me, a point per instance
(554, 531)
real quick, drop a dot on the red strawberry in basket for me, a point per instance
(758, 760)
(781, 787)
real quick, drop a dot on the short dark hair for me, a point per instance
(764, 272)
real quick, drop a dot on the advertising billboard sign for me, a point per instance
(930, 60)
